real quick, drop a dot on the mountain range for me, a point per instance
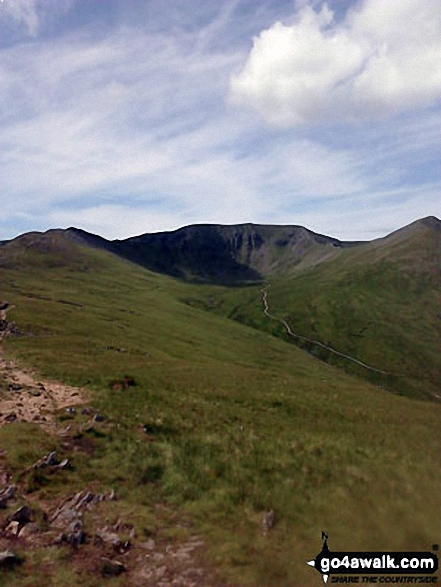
(239, 253)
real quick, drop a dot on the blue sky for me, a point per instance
(130, 116)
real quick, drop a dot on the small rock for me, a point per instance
(23, 515)
(71, 410)
(29, 530)
(158, 556)
(75, 535)
(111, 568)
(8, 560)
(268, 521)
(65, 464)
(99, 497)
(104, 536)
(11, 528)
(132, 534)
(98, 418)
(161, 571)
(88, 497)
(50, 460)
(6, 495)
(65, 516)
(86, 411)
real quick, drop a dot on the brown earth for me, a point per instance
(25, 398)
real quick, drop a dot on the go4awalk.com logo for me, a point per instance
(375, 567)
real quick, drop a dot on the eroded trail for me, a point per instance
(290, 332)
(24, 397)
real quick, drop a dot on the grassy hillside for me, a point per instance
(238, 422)
(378, 302)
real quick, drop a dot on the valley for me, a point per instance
(225, 420)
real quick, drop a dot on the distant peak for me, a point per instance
(431, 222)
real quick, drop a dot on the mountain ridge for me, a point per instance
(229, 254)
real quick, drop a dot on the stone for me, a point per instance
(75, 535)
(8, 560)
(65, 464)
(6, 495)
(11, 528)
(111, 568)
(23, 515)
(30, 530)
(104, 536)
(268, 521)
(65, 516)
(50, 460)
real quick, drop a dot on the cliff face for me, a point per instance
(229, 254)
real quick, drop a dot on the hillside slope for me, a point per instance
(378, 302)
(224, 423)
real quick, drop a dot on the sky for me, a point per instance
(123, 117)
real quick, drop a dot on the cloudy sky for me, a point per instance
(130, 116)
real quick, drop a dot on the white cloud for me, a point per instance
(128, 132)
(23, 12)
(383, 58)
(30, 15)
(373, 215)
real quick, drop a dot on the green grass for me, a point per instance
(381, 309)
(226, 421)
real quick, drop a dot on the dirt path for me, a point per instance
(316, 342)
(23, 397)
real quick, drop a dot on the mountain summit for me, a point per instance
(223, 253)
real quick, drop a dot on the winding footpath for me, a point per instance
(289, 331)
